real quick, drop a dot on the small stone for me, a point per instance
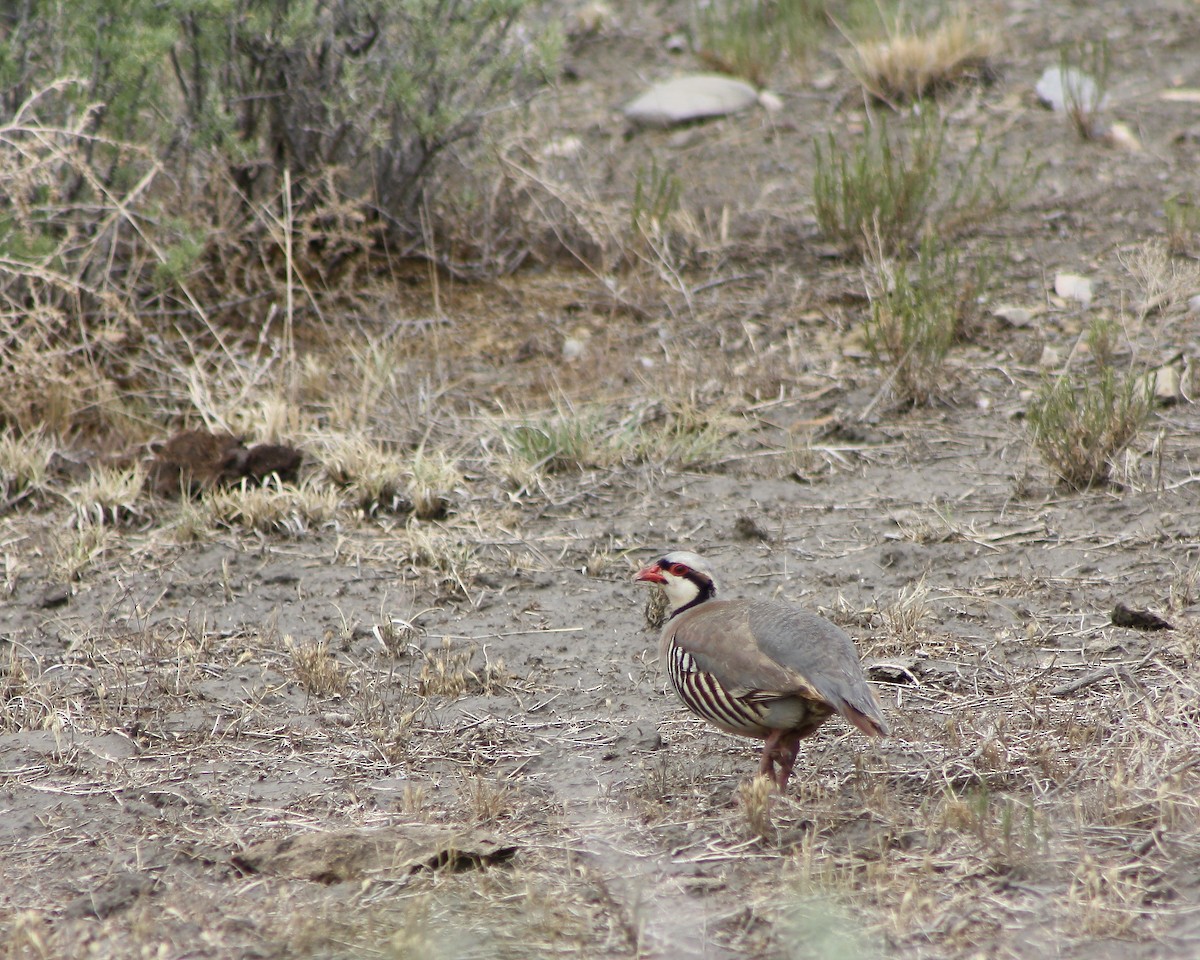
(1014, 316)
(1167, 384)
(1119, 135)
(676, 43)
(771, 102)
(563, 148)
(573, 348)
(1071, 286)
(55, 595)
(1194, 304)
(1068, 88)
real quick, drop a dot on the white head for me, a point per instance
(686, 578)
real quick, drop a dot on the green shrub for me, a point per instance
(890, 190)
(748, 38)
(145, 151)
(378, 89)
(917, 314)
(1079, 423)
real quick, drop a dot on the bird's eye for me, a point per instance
(679, 569)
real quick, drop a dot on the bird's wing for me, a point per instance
(781, 649)
(719, 637)
(824, 654)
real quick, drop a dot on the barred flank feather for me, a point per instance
(706, 698)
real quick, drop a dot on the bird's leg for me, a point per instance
(787, 745)
(780, 747)
(766, 764)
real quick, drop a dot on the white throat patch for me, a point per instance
(680, 591)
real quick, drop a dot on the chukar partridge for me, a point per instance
(759, 668)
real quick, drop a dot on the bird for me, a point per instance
(759, 668)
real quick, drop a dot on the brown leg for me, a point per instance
(780, 747)
(766, 764)
(786, 748)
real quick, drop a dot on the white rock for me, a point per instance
(564, 147)
(1119, 135)
(677, 43)
(1013, 315)
(691, 97)
(573, 348)
(1071, 286)
(769, 101)
(1194, 304)
(1070, 89)
(1168, 385)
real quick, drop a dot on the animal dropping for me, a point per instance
(758, 668)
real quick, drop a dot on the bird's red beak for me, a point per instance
(651, 574)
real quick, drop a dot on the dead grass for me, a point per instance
(275, 507)
(755, 798)
(316, 668)
(24, 458)
(445, 672)
(373, 477)
(911, 62)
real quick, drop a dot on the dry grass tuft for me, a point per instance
(1165, 281)
(14, 679)
(903, 618)
(755, 797)
(110, 497)
(487, 801)
(911, 63)
(77, 550)
(446, 671)
(373, 477)
(433, 479)
(24, 458)
(448, 555)
(316, 668)
(290, 509)
(1182, 214)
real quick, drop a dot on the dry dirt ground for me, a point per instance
(181, 704)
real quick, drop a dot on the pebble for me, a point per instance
(1071, 286)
